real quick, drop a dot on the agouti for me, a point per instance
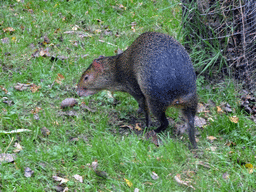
(156, 70)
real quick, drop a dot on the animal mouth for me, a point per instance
(84, 92)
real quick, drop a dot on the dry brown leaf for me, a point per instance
(211, 138)
(45, 132)
(219, 110)
(190, 173)
(21, 86)
(44, 52)
(122, 7)
(230, 144)
(28, 172)
(78, 178)
(5, 90)
(211, 148)
(36, 110)
(234, 119)
(128, 126)
(68, 102)
(34, 88)
(8, 29)
(201, 108)
(137, 127)
(199, 121)
(60, 78)
(178, 179)
(7, 157)
(62, 180)
(152, 136)
(18, 148)
(95, 165)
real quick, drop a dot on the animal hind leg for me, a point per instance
(158, 110)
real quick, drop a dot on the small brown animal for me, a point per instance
(156, 70)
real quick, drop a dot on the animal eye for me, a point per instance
(85, 78)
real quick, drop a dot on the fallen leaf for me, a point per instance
(14, 39)
(68, 102)
(44, 52)
(178, 179)
(127, 126)
(46, 40)
(8, 102)
(211, 148)
(36, 110)
(225, 176)
(62, 180)
(57, 30)
(211, 138)
(8, 29)
(226, 107)
(190, 173)
(201, 108)
(129, 183)
(28, 172)
(45, 131)
(34, 88)
(137, 126)
(78, 178)
(60, 78)
(95, 165)
(7, 157)
(199, 122)
(219, 110)
(21, 86)
(75, 139)
(249, 167)
(5, 40)
(18, 148)
(122, 7)
(152, 136)
(154, 176)
(234, 119)
(15, 131)
(230, 144)
(5, 90)
(75, 28)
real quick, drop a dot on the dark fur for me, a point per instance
(156, 70)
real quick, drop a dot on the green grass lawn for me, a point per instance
(38, 50)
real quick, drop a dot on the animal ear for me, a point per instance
(97, 65)
(101, 56)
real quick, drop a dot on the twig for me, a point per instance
(107, 43)
(9, 145)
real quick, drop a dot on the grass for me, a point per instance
(76, 141)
